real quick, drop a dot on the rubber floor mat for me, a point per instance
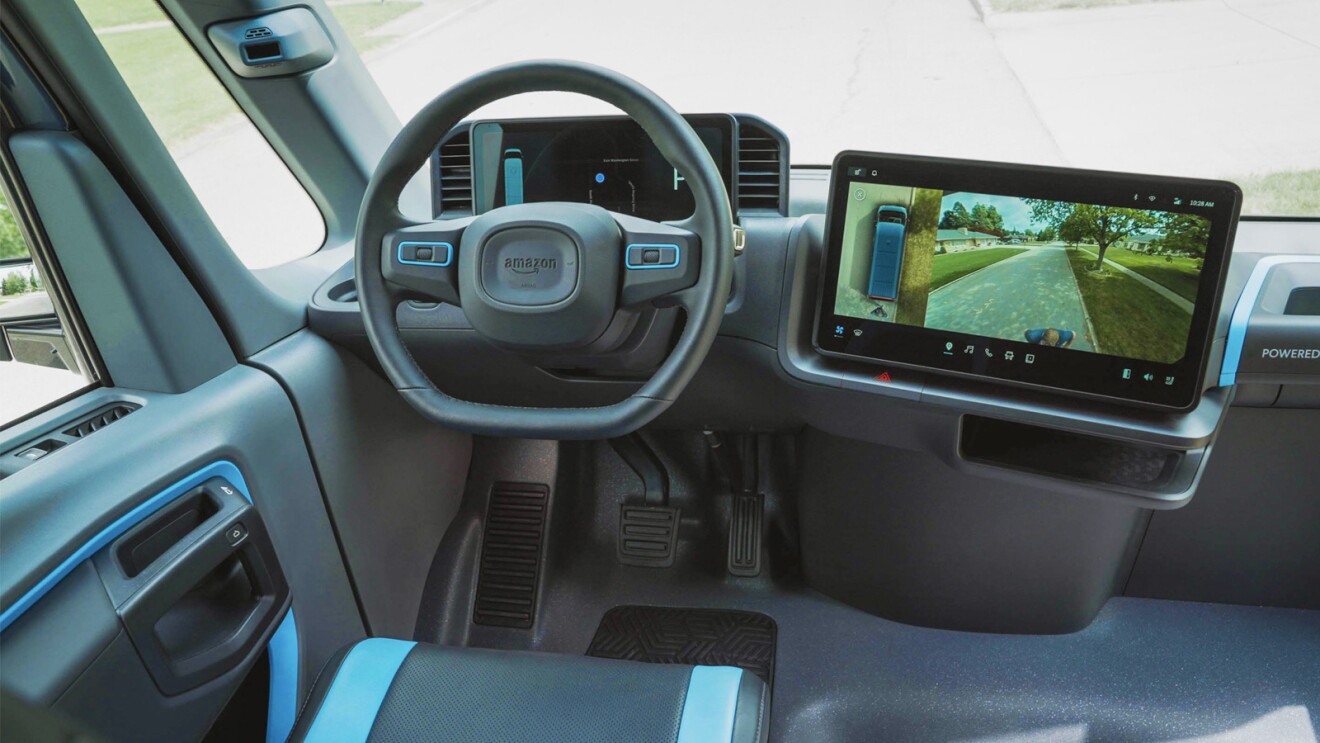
(698, 637)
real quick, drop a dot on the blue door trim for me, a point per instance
(224, 469)
(283, 653)
(283, 647)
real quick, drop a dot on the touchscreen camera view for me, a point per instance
(1114, 280)
(1102, 284)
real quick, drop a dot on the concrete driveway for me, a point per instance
(1196, 87)
(1033, 289)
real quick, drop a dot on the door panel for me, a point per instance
(69, 647)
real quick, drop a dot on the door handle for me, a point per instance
(208, 607)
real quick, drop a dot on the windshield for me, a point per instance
(1181, 87)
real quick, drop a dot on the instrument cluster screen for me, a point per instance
(609, 162)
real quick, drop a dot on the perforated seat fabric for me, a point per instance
(390, 691)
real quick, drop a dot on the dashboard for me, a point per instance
(1088, 408)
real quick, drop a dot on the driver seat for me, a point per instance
(383, 691)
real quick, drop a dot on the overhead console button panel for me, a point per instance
(285, 42)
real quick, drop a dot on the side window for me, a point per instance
(260, 208)
(39, 363)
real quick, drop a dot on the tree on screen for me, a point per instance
(1102, 225)
(982, 218)
(1186, 234)
(988, 219)
(956, 218)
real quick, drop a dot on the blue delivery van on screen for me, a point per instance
(887, 252)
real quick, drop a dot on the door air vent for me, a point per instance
(98, 420)
(452, 174)
(511, 555)
(762, 167)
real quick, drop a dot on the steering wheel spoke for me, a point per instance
(660, 260)
(420, 261)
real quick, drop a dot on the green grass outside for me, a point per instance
(1129, 318)
(1291, 194)
(949, 267)
(178, 92)
(359, 19)
(12, 244)
(108, 13)
(1180, 276)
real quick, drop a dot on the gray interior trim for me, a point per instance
(392, 480)
(58, 503)
(112, 262)
(46, 648)
(330, 124)
(63, 48)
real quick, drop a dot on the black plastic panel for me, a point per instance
(901, 536)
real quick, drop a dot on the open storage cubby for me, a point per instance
(1066, 454)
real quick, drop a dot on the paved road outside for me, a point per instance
(1034, 289)
(1159, 289)
(1199, 88)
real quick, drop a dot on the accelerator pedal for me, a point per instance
(745, 524)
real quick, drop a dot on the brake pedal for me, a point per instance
(745, 519)
(648, 535)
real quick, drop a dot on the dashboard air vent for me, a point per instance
(762, 168)
(98, 420)
(453, 174)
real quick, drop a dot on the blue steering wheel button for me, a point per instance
(438, 254)
(651, 255)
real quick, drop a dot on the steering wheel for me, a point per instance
(545, 277)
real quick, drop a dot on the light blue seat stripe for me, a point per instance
(120, 525)
(283, 650)
(712, 699)
(1237, 326)
(350, 707)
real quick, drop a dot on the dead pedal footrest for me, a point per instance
(510, 567)
(648, 535)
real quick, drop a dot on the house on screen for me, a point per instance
(955, 241)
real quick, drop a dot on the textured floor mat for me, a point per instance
(699, 637)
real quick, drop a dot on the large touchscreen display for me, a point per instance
(1084, 282)
(609, 162)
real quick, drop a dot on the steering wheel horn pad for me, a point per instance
(544, 276)
(540, 276)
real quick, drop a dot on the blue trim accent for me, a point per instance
(708, 709)
(353, 701)
(283, 708)
(627, 261)
(1237, 326)
(449, 258)
(513, 178)
(227, 470)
